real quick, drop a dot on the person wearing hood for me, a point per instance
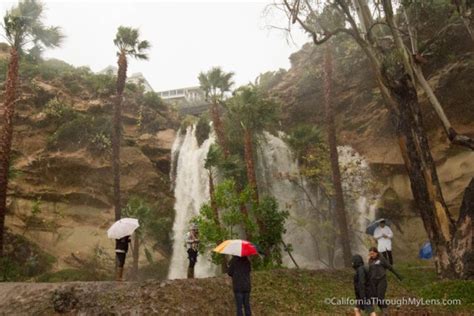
(361, 287)
(239, 269)
(378, 266)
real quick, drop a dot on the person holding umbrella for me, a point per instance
(121, 231)
(383, 234)
(239, 270)
(121, 249)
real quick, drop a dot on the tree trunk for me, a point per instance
(336, 174)
(117, 132)
(7, 135)
(452, 242)
(248, 154)
(219, 129)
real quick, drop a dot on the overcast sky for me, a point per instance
(186, 36)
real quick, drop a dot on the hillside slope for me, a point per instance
(277, 292)
(60, 192)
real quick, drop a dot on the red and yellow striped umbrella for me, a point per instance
(236, 247)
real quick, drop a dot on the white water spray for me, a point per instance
(191, 190)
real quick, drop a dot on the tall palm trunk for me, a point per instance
(7, 135)
(248, 154)
(219, 128)
(117, 132)
(216, 215)
(336, 174)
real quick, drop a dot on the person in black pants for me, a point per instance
(121, 249)
(239, 269)
(378, 266)
(361, 285)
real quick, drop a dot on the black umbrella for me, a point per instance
(371, 228)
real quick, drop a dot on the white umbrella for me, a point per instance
(123, 227)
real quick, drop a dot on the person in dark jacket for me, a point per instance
(121, 249)
(378, 266)
(239, 269)
(361, 287)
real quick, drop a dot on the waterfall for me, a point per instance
(309, 223)
(191, 190)
(310, 219)
(278, 176)
(360, 203)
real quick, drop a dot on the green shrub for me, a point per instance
(59, 112)
(153, 100)
(83, 131)
(202, 129)
(23, 259)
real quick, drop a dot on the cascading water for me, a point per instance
(191, 190)
(278, 174)
(356, 184)
(310, 219)
(309, 225)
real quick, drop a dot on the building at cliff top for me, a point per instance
(190, 100)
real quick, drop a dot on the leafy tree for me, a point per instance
(128, 42)
(233, 222)
(25, 32)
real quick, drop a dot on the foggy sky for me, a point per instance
(186, 36)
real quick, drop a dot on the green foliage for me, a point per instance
(36, 207)
(153, 101)
(23, 27)
(202, 129)
(215, 83)
(59, 112)
(128, 41)
(187, 121)
(233, 222)
(252, 110)
(311, 150)
(23, 259)
(268, 80)
(153, 225)
(83, 131)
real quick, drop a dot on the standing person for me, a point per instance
(239, 270)
(192, 244)
(383, 234)
(361, 287)
(121, 249)
(378, 278)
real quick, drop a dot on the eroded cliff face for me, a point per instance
(60, 194)
(363, 122)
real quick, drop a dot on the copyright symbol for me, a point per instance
(327, 301)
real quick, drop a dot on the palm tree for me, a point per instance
(254, 113)
(334, 158)
(129, 45)
(215, 84)
(25, 33)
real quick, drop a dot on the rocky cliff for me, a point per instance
(363, 121)
(60, 192)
